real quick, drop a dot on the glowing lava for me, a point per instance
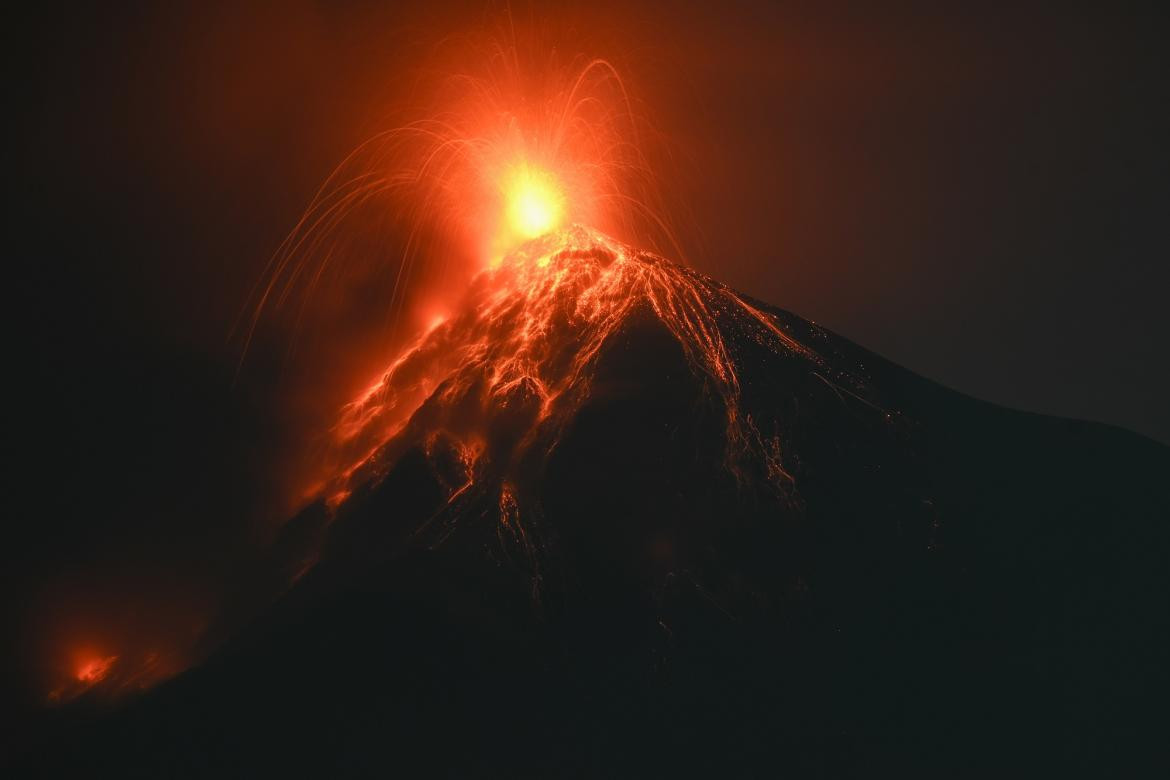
(494, 387)
(94, 670)
(88, 669)
(512, 142)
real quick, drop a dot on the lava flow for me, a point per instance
(492, 388)
(531, 326)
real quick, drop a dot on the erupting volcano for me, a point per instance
(610, 511)
(607, 516)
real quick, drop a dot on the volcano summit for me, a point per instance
(611, 517)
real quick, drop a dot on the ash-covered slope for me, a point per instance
(614, 519)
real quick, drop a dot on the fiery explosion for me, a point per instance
(528, 180)
(511, 142)
(519, 143)
(536, 204)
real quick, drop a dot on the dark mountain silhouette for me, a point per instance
(615, 519)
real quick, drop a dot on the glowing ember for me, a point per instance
(94, 670)
(90, 672)
(516, 184)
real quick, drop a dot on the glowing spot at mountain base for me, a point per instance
(94, 669)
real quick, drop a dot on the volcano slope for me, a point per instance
(614, 519)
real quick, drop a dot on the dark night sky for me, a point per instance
(979, 196)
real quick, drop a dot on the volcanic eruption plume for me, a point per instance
(518, 158)
(521, 142)
(526, 187)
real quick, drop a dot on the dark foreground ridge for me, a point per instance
(690, 535)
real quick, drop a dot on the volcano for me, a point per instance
(613, 518)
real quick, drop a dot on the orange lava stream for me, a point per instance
(521, 349)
